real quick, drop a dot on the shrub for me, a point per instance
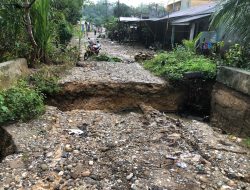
(104, 57)
(238, 56)
(173, 65)
(45, 81)
(20, 103)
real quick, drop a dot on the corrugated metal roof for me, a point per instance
(172, 1)
(129, 19)
(188, 19)
(197, 10)
(135, 19)
(207, 9)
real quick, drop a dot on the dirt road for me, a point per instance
(141, 149)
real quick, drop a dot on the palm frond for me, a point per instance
(234, 17)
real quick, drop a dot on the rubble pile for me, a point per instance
(97, 150)
(139, 57)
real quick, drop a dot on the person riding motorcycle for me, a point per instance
(93, 48)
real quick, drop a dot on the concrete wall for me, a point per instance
(231, 101)
(11, 71)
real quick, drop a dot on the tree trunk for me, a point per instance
(29, 27)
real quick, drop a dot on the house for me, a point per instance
(177, 5)
(178, 25)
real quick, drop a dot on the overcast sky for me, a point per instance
(138, 2)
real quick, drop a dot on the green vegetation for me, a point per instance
(45, 83)
(246, 142)
(237, 56)
(37, 30)
(102, 11)
(104, 57)
(173, 65)
(20, 103)
(234, 17)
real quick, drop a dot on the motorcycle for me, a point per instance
(92, 49)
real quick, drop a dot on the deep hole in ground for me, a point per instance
(191, 97)
(7, 145)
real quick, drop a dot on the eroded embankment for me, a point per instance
(7, 145)
(121, 86)
(118, 96)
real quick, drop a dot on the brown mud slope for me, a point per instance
(123, 86)
(115, 87)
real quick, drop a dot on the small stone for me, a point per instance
(49, 154)
(56, 187)
(133, 187)
(85, 173)
(129, 177)
(74, 175)
(68, 148)
(76, 152)
(69, 167)
(24, 175)
(44, 167)
(57, 169)
(68, 177)
(50, 179)
(17, 179)
(225, 187)
(46, 186)
(61, 173)
(231, 183)
(91, 163)
(203, 179)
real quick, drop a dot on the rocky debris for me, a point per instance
(107, 72)
(133, 150)
(138, 150)
(7, 145)
(115, 87)
(140, 57)
(124, 51)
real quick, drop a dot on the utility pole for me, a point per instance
(118, 6)
(106, 5)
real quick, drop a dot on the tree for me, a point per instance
(122, 9)
(234, 17)
(70, 8)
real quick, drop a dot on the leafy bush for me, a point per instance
(246, 142)
(173, 65)
(45, 81)
(238, 56)
(20, 103)
(104, 57)
(65, 33)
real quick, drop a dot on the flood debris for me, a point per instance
(142, 150)
(128, 150)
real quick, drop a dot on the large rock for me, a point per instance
(11, 71)
(7, 145)
(230, 110)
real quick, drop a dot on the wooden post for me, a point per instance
(192, 30)
(173, 36)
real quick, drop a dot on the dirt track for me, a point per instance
(142, 150)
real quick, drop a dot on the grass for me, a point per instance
(246, 142)
(107, 58)
(173, 65)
